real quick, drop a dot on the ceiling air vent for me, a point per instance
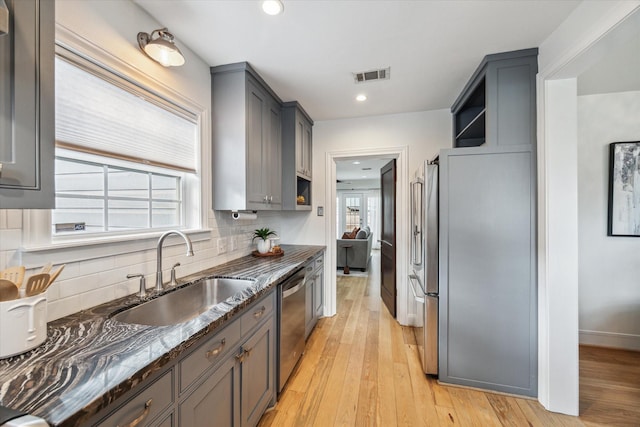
(367, 76)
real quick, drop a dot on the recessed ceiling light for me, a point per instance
(361, 97)
(356, 162)
(272, 7)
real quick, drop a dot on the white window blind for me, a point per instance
(101, 117)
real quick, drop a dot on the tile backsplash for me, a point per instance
(99, 278)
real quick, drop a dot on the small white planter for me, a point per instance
(263, 246)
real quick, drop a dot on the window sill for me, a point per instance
(79, 250)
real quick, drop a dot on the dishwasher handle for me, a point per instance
(290, 291)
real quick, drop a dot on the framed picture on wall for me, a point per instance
(624, 189)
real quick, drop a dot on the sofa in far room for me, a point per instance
(359, 254)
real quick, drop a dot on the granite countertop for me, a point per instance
(89, 359)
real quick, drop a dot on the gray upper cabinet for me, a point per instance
(297, 137)
(247, 141)
(27, 106)
(497, 106)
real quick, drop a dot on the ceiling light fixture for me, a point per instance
(162, 49)
(356, 162)
(361, 97)
(272, 7)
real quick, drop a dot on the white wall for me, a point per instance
(609, 267)
(95, 274)
(582, 40)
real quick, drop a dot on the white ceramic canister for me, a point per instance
(23, 324)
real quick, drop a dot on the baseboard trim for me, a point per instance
(610, 339)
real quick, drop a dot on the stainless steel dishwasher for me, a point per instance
(291, 308)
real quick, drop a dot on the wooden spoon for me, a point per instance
(55, 275)
(15, 274)
(47, 267)
(37, 284)
(8, 290)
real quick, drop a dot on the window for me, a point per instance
(125, 157)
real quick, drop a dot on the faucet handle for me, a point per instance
(142, 293)
(173, 281)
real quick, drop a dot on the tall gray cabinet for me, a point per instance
(247, 140)
(27, 106)
(488, 305)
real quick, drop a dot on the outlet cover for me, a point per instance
(234, 243)
(222, 245)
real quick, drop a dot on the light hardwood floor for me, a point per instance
(361, 368)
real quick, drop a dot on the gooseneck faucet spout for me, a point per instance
(159, 285)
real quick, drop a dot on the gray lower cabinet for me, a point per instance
(488, 294)
(144, 408)
(228, 380)
(27, 106)
(314, 293)
(247, 140)
(216, 399)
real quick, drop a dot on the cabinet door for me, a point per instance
(216, 399)
(300, 162)
(257, 373)
(26, 106)
(317, 294)
(273, 156)
(309, 312)
(307, 149)
(256, 160)
(487, 283)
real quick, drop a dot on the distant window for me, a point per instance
(125, 158)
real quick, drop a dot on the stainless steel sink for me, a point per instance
(184, 304)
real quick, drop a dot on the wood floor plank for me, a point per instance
(423, 398)
(361, 368)
(507, 410)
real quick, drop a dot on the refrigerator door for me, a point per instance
(430, 359)
(431, 229)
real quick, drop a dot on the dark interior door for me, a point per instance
(388, 236)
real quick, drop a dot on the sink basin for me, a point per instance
(184, 304)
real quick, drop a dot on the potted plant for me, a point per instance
(263, 234)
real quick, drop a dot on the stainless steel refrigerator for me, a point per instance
(423, 276)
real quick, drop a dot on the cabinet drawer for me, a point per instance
(147, 405)
(256, 314)
(208, 354)
(319, 262)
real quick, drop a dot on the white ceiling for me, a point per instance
(365, 169)
(309, 52)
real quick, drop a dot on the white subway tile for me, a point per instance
(14, 219)
(10, 239)
(97, 297)
(3, 219)
(63, 307)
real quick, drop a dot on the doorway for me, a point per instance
(332, 223)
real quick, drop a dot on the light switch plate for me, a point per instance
(320, 210)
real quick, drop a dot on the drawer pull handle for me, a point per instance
(245, 353)
(258, 314)
(216, 351)
(141, 417)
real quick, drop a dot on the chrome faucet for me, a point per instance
(159, 285)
